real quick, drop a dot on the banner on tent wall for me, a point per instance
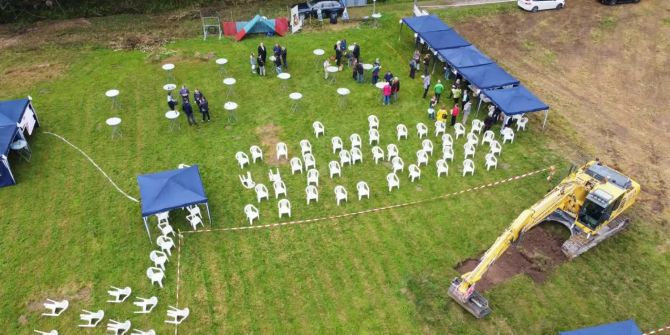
(296, 20)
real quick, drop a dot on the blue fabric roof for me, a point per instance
(464, 57)
(167, 190)
(627, 327)
(422, 24)
(11, 111)
(444, 39)
(7, 134)
(515, 100)
(488, 76)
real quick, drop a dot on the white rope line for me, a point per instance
(295, 222)
(176, 327)
(662, 329)
(96, 166)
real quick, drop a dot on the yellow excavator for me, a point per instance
(589, 202)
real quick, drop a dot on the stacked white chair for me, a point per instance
(374, 136)
(284, 207)
(252, 213)
(521, 123)
(274, 176)
(447, 140)
(256, 153)
(118, 328)
(310, 161)
(442, 167)
(280, 188)
(334, 169)
(393, 181)
(345, 157)
(377, 154)
(491, 161)
(313, 177)
(55, 307)
(156, 275)
(427, 146)
(468, 166)
(355, 140)
(165, 228)
(469, 150)
(398, 164)
(261, 192)
(159, 258)
(448, 153)
(165, 243)
(373, 122)
(312, 193)
(477, 126)
(242, 159)
(363, 190)
(507, 134)
(92, 319)
(459, 130)
(119, 294)
(282, 150)
(337, 143)
(305, 147)
(146, 304)
(296, 165)
(421, 157)
(194, 210)
(495, 148)
(402, 131)
(247, 181)
(489, 136)
(391, 151)
(319, 129)
(440, 128)
(340, 194)
(356, 155)
(421, 130)
(414, 172)
(177, 315)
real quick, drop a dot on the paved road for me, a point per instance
(457, 3)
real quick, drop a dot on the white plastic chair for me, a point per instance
(312, 193)
(363, 190)
(468, 166)
(414, 172)
(340, 194)
(310, 161)
(165, 243)
(305, 147)
(194, 210)
(391, 151)
(477, 126)
(377, 154)
(284, 207)
(374, 136)
(421, 157)
(118, 328)
(178, 315)
(508, 135)
(313, 177)
(402, 131)
(393, 181)
(398, 164)
(489, 136)
(491, 161)
(345, 157)
(469, 150)
(252, 213)
(280, 188)
(242, 159)
(459, 130)
(194, 220)
(51, 332)
(448, 153)
(55, 308)
(274, 176)
(143, 332)
(355, 140)
(120, 294)
(159, 258)
(146, 305)
(162, 216)
(282, 150)
(261, 192)
(256, 153)
(156, 275)
(334, 168)
(440, 128)
(247, 181)
(296, 165)
(473, 138)
(447, 140)
(442, 167)
(92, 319)
(373, 122)
(356, 155)
(427, 146)
(337, 143)
(319, 129)
(165, 228)
(521, 123)
(421, 130)
(495, 148)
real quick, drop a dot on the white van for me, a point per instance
(535, 5)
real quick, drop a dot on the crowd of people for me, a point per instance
(258, 62)
(198, 97)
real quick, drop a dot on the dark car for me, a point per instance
(327, 7)
(614, 2)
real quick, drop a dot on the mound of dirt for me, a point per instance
(536, 254)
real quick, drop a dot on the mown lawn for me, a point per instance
(67, 233)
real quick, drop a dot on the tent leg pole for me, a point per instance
(479, 105)
(209, 216)
(146, 226)
(399, 32)
(434, 62)
(546, 115)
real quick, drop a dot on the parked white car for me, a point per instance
(535, 5)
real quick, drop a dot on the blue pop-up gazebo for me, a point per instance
(168, 190)
(423, 24)
(17, 117)
(467, 56)
(627, 327)
(517, 100)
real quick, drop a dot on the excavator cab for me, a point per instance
(598, 208)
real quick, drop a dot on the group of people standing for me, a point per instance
(258, 62)
(198, 97)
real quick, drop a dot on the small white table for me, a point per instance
(367, 67)
(284, 77)
(230, 82)
(319, 56)
(375, 19)
(112, 94)
(114, 122)
(221, 62)
(169, 87)
(169, 76)
(22, 148)
(380, 85)
(172, 116)
(343, 92)
(295, 96)
(332, 70)
(231, 107)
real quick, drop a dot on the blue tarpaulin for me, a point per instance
(627, 327)
(11, 114)
(515, 100)
(464, 57)
(488, 76)
(444, 39)
(422, 24)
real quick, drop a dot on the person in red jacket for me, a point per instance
(454, 114)
(387, 94)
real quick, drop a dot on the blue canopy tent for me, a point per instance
(423, 24)
(168, 190)
(488, 76)
(517, 100)
(627, 327)
(464, 57)
(444, 39)
(16, 117)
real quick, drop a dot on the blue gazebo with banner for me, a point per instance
(17, 120)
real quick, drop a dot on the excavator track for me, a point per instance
(580, 243)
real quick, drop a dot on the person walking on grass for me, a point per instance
(456, 93)
(252, 62)
(412, 68)
(357, 52)
(426, 85)
(439, 88)
(204, 109)
(454, 114)
(417, 59)
(426, 62)
(283, 58)
(262, 52)
(431, 107)
(170, 101)
(442, 114)
(197, 95)
(466, 111)
(278, 64)
(326, 64)
(188, 110)
(184, 92)
(261, 65)
(376, 67)
(489, 121)
(359, 72)
(387, 94)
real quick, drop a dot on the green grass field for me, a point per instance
(66, 233)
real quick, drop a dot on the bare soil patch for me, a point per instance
(537, 253)
(70, 292)
(269, 136)
(28, 75)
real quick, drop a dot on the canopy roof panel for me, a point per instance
(488, 76)
(11, 111)
(627, 327)
(515, 100)
(422, 24)
(167, 190)
(444, 39)
(464, 57)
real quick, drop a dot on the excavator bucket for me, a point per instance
(476, 304)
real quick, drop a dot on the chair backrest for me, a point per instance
(459, 128)
(356, 152)
(495, 145)
(250, 210)
(281, 147)
(441, 164)
(312, 174)
(362, 187)
(296, 162)
(311, 190)
(318, 126)
(392, 178)
(401, 128)
(340, 191)
(448, 151)
(163, 240)
(256, 150)
(476, 123)
(241, 156)
(374, 133)
(468, 147)
(508, 132)
(355, 139)
(490, 157)
(392, 149)
(421, 154)
(274, 176)
(305, 145)
(472, 137)
(345, 155)
(155, 273)
(489, 135)
(279, 186)
(468, 164)
(373, 121)
(334, 166)
(447, 139)
(156, 254)
(377, 151)
(397, 161)
(336, 141)
(284, 204)
(420, 127)
(261, 189)
(427, 144)
(414, 169)
(522, 121)
(309, 158)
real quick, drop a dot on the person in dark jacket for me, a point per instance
(489, 121)
(426, 62)
(357, 52)
(412, 68)
(283, 58)
(204, 109)
(395, 88)
(359, 72)
(184, 92)
(376, 67)
(276, 50)
(188, 110)
(262, 52)
(388, 77)
(170, 101)
(197, 96)
(278, 64)
(338, 54)
(261, 65)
